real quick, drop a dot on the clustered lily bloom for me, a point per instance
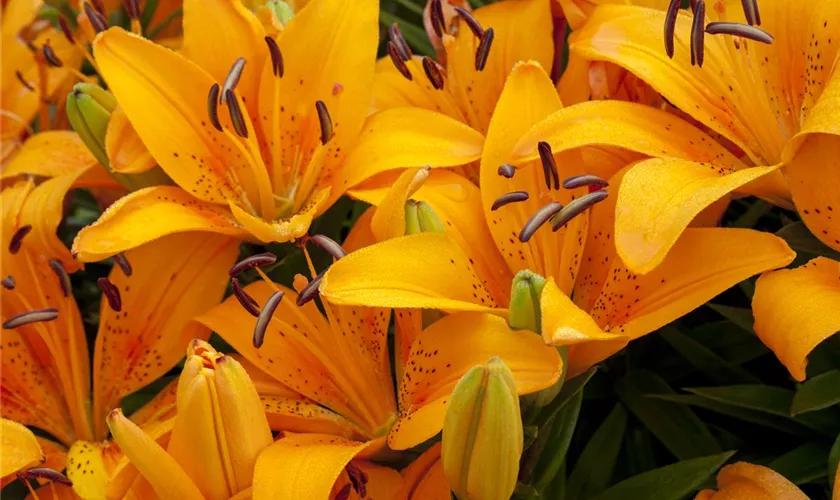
(529, 217)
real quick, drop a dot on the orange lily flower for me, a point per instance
(774, 101)
(744, 480)
(592, 302)
(23, 456)
(144, 317)
(292, 135)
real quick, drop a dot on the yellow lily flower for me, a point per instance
(292, 136)
(218, 432)
(144, 319)
(22, 456)
(744, 480)
(775, 102)
(609, 304)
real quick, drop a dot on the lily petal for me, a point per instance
(563, 323)
(19, 448)
(795, 311)
(282, 230)
(743, 480)
(50, 154)
(86, 468)
(126, 152)
(424, 477)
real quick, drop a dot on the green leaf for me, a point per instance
(801, 240)
(553, 455)
(671, 482)
(803, 464)
(638, 452)
(833, 461)
(676, 426)
(705, 360)
(594, 468)
(817, 393)
(416, 37)
(570, 389)
(740, 316)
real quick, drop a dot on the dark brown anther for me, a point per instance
(97, 20)
(325, 121)
(111, 292)
(329, 245)
(513, 197)
(671, 26)
(276, 56)
(125, 265)
(741, 30)
(576, 207)
(310, 291)
(44, 473)
(433, 73)
(436, 17)
(343, 493)
(259, 260)
(247, 302)
(17, 238)
(538, 219)
(399, 63)
(471, 22)
(8, 282)
(506, 170)
(236, 116)
(396, 36)
(65, 28)
(63, 277)
(264, 318)
(132, 8)
(358, 479)
(98, 6)
(584, 180)
(213, 106)
(693, 5)
(483, 50)
(232, 78)
(549, 166)
(698, 34)
(36, 316)
(50, 57)
(23, 81)
(751, 12)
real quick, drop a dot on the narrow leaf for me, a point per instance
(833, 461)
(705, 360)
(741, 317)
(801, 240)
(553, 457)
(593, 470)
(817, 393)
(803, 464)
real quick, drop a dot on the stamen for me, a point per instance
(236, 117)
(247, 302)
(538, 219)
(741, 30)
(326, 122)
(9, 282)
(483, 50)
(17, 238)
(751, 12)
(265, 317)
(343, 493)
(38, 315)
(232, 78)
(44, 473)
(111, 292)
(213, 106)
(549, 166)
(23, 81)
(276, 56)
(396, 58)
(63, 277)
(132, 8)
(329, 245)
(97, 20)
(310, 291)
(50, 57)
(693, 5)
(671, 26)
(584, 180)
(513, 197)
(65, 28)
(436, 17)
(99, 6)
(506, 170)
(396, 36)
(358, 479)
(123, 262)
(433, 73)
(471, 22)
(259, 260)
(698, 34)
(576, 207)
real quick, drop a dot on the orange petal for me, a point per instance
(126, 152)
(19, 448)
(50, 154)
(745, 481)
(424, 478)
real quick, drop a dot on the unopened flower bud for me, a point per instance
(482, 434)
(281, 10)
(89, 109)
(420, 217)
(524, 311)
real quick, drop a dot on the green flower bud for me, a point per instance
(524, 311)
(420, 217)
(89, 109)
(482, 434)
(281, 10)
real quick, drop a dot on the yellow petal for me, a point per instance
(158, 467)
(449, 348)
(745, 481)
(392, 90)
(148, 214)
(86, 469)
(388, 220)
(426, 270)
(795, 310)
(383, 482)
(126, 152)
(18, 447)
(50, 154)
(282, 230)
(658, 199)
(302, 466)
(809, 172)
(424, 478)
(564, 323)
(303, 415)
